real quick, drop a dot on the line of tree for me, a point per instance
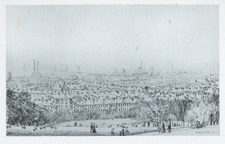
(179, 109)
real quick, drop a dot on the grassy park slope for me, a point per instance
(67, 129)
(139, 131)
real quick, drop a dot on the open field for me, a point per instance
(68, 129)
(72, 131)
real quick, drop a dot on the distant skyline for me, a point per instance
(103, 38)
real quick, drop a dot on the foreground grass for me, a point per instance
(74, 131)
(68, 129)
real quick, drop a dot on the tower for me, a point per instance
(10, 76)
(34, 66)
(37, 66)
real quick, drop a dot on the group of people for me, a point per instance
(162, 127)
(93, 128)
(123, 132)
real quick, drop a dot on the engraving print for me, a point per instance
(112, 70)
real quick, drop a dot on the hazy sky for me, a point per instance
(102, 38)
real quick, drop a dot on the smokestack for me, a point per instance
(123, 71)
(37, 66)
(141, 64)
(78, 69)
(10, 76)
(34, 66)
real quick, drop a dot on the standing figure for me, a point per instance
(169, 127)
(159, 127)
(112, 132)
(163, 127)
(94, 128)
(122, 132)
(91, 128)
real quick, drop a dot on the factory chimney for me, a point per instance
(37, 66)
(34, 66)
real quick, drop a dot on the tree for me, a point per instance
(160, 106)
(21, 110)
(183, 106)
(174, 109)
(214, 100)
(153, 110)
